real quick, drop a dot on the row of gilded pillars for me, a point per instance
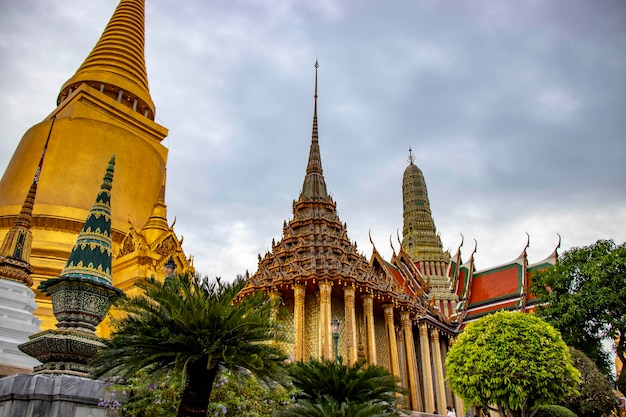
(434, 385)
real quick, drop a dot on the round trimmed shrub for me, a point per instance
(554, 411)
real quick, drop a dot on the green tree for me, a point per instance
(596, 398)
(513, 362)
(585, 298)
(192, 326)
(327, 386)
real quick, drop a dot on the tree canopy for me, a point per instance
(513, 361)
(192, 326)
(584, 297)
(596, 398)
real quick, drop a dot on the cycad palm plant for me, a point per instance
(193, 326)
(329, 407)
(330, 388)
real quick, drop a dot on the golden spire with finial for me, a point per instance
(314, 186)
(116, 66)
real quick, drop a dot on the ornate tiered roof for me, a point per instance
(315, 246)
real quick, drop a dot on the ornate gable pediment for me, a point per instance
(132, 242)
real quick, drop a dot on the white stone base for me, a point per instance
(17, 322)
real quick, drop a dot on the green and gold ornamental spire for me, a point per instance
(90, 257)
(81, 296)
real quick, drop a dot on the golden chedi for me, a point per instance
(105, 108)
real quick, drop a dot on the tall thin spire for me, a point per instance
(314, 186)
(116, 66)
(15, 250)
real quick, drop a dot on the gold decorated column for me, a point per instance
(391, 335)
(411, 360)
(429, 397)
(298, 320)
(326, 340)
(350, 324)
(275, 298)
(440, 388)
(368, 315)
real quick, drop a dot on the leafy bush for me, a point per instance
(554, 411)
(247, 397)
(142, 396)
(596, 398)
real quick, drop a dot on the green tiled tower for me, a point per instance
(422, 242)
(81, 296)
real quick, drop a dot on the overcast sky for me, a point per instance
(515, 111)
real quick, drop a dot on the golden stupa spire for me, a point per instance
(314, 186)
(116, 66)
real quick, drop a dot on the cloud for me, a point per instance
(514, 112)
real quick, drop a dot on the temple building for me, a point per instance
(105, 108)
(403, 313)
